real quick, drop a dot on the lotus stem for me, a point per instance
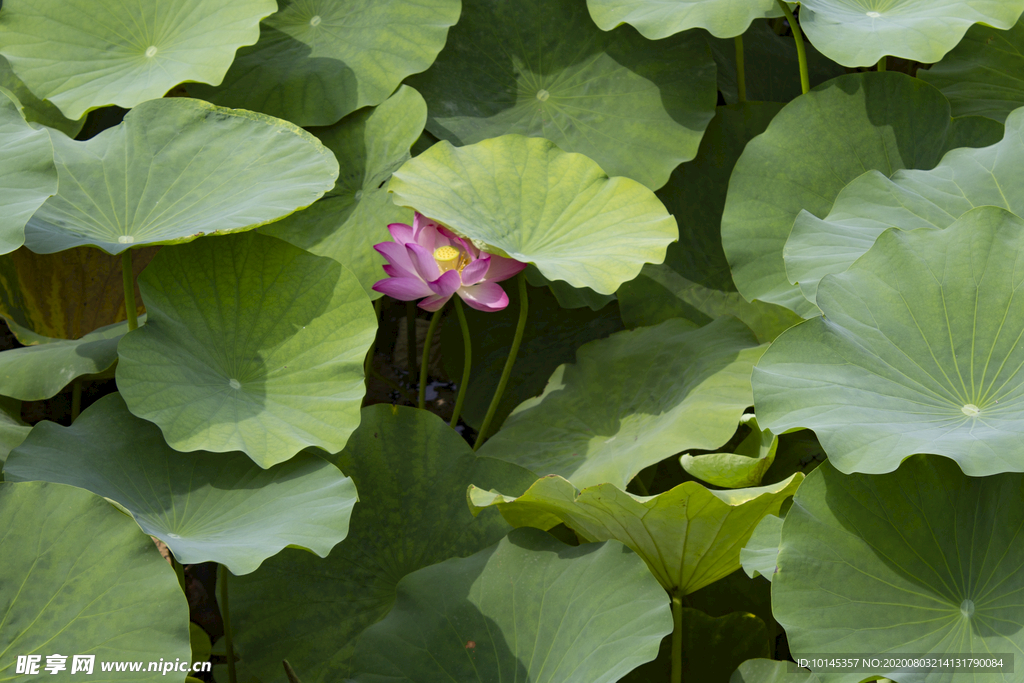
(422, 403)
(289, 672)
(509, 362)
(741, 76)
(410, 337)
(677, 639)
(801, 52)
(229, 647)
(129, 290)
(467, 363)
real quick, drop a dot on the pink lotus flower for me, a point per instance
(428, 260)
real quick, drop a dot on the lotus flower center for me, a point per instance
(543, 95)
(315, 21)
(967, 608)
(971, 410)
(450, 258)
(151, 51)
(874, 15)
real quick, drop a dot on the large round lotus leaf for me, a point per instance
(251, 345)
(694, 282)
(633, 399)
(980, 76)
(538, 204)
(319, 60)
(964, 179)
(175, 169)
(771, 66)
(84, 54)
(922, 560)
(542, 68)
(860, 32)
(814, 147)
(529, 608)
(35, 109)
(918, 351)
(551, 338)
(205, 507)
(657, 19)
(34, 373)
(81, 579)
(689, 536)
(346, 222)
(412, 472)
(28, 176)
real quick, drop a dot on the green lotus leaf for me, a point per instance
(543, 69)
(815, 146)
(65, 295)
(759, 556)
(29, 176)
(251, 345)
(174, 170)
(754, 455)
(84, 54)
(34, 373)
(567, 295)
(660, 293)
(538, 204)
(412, 470)
(657, 19)
(964, 179)
(689, 536)
(980, 76)
(12, 430)
(633, 399)
(221, 508)
(860, 32)
(529, 608)
(694, 283)
(771, 67)
(35, 109)
(712, 647)
(769, 671)
(81, 579)
(319, 60)
(346, 222)
(921, 560)
(917, 352)
(551, 338)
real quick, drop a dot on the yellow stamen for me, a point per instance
(450, 258)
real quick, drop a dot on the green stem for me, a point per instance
(426, 357)
(76, 399)
(229, 647)
(467, 363)
(129, 290)
(801, 52)
(524, 305)
(677, 639)
(741, 76)
(289, 672)
(882, 63)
